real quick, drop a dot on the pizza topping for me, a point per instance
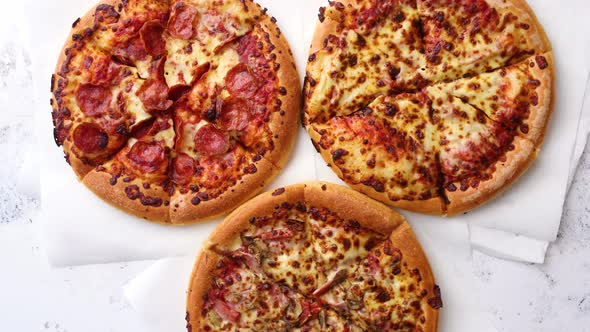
(147, 157)
(235, 114)
(241, 83)
(226, 312)
(436, 301)
(211, 141)
(104, 14)
(129, 52)
(151, 36)
(89, 138)
(183, 169)
(181, 21)
(541, 61)
(154, 95)
(94, 100)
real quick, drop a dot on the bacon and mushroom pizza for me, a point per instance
(313, 257)
(176, 110)
(433, 106)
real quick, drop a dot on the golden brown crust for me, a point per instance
(100, 183)
(517, 161)
(345, 202)
(285, 123)
(200, 283)
(536, 34)
(404, 239)
(539, 114)
(182, 211)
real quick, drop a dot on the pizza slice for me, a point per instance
(234, 297)
(198, 31)
(136, 178)
(96, 103)
(478, 155)
(278, 240)
(380, 159)
(467, 37)
(360, 53)
(388, 290)
(517, 96)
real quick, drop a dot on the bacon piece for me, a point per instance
(309, 310)
(241, 83)
(277, 234)
(89, 138)
(183, 169)
(151, 36)
(153, 93)
(211, 141)
(373, 263)
(235, 114)
(181, 21)
(94, 100)
(147, 157)
(225, 311)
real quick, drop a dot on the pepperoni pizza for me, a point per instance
(433, 106)
(313, 257)
(176, 110)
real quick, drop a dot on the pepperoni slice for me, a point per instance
(247, 47)
(151, 35)
(147, 157)
(181, 22)
(106, 72)
(241, 83)
(183, 169)
(94, 100)
(211, 141)
(130, 51)
(89, 138)
(153, 93)
(235, 114)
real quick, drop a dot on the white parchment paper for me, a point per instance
(79, 228)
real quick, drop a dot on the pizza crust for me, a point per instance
(404, 239)
(507, 172)
(369, 213)
(345, 202)
(264, 204)
(182, 211)
(536, 36)
(99, 183)
(286, 126)
(200, 283)
(540, 114)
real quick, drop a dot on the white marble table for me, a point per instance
(34, 297)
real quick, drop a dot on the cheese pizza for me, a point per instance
(433, 106)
